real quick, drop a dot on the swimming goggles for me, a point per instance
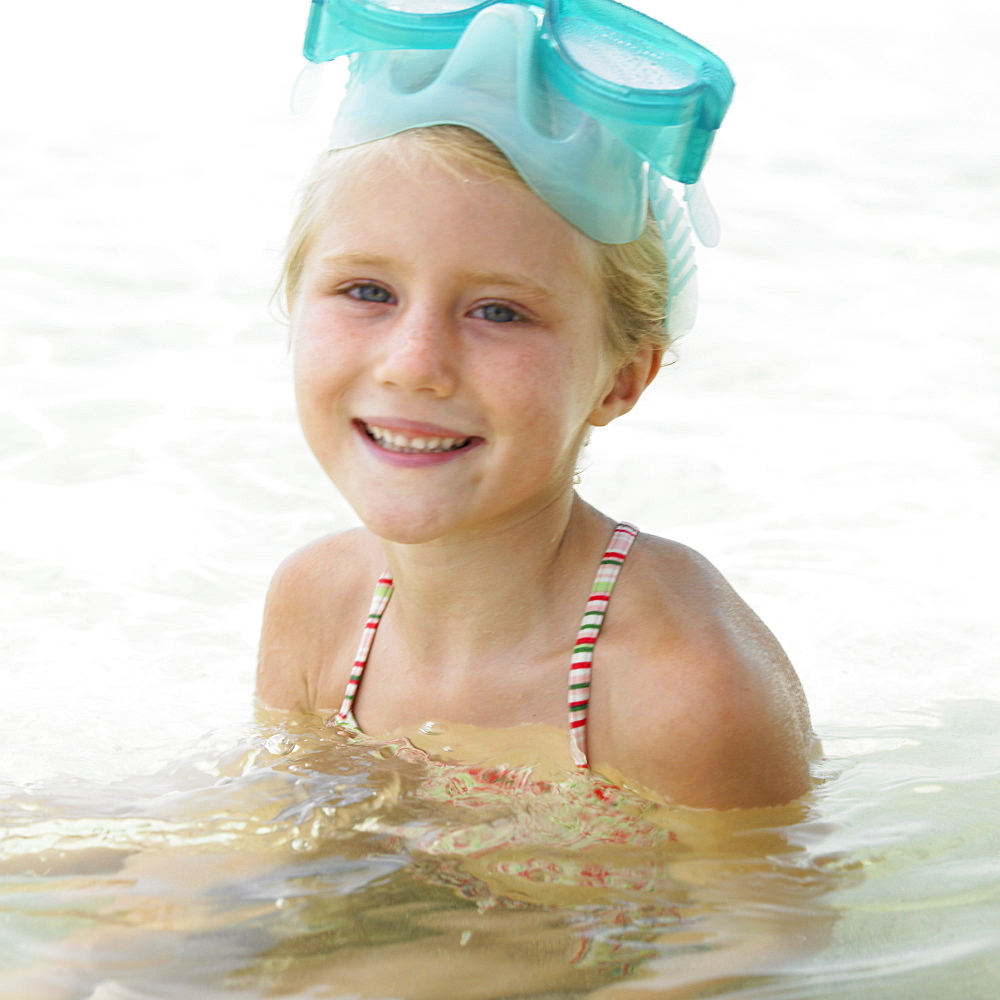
(595, 104)
(665, 94)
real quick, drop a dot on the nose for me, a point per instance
(419, 353)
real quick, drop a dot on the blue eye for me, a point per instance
(370, 293)
(496, 312)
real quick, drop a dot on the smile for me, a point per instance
(406, 445)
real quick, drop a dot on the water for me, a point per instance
(828, 438)
(308, 858)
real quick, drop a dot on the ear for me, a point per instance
(628, 383)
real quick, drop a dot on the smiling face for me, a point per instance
(449, 347)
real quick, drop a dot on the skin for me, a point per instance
(435, 305)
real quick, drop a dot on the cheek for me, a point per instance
(307, 377)
(545, 393)
(317, 360)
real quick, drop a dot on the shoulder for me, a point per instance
(314, 593)
(715, 714)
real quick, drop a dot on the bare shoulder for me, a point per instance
(314, 611)
(716, 716)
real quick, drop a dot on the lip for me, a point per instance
(413, 428)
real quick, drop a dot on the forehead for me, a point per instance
(383, 198)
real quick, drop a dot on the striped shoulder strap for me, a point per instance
(383, 591)
(583, 651)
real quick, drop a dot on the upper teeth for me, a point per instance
(400, 442)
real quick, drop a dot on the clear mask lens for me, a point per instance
(622, 59)
(429, 6)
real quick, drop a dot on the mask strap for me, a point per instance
(701, 212)
(306, 88)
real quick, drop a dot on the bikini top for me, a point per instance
(583, 649)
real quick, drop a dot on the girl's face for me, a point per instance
(448, 349)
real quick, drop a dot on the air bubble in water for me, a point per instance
(301, 845)
(279, 744)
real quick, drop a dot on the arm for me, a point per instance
(281, 676)
(716, 715)
(304, 645)
(733, 740)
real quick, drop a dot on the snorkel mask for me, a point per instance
(595, 104)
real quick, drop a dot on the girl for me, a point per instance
(459, 324)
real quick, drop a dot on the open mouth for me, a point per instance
(406, 444)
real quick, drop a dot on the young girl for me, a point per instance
(459, 325)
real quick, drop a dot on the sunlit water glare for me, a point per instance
(829, 438)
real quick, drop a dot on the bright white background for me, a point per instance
(829, 436)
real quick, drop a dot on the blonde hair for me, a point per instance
(633, 275)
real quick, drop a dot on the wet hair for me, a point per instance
(633, 275)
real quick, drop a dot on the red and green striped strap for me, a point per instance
(383, 591)
(583, 650)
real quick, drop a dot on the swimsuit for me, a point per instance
(494, 850)
(583, 648)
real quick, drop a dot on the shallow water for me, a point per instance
(829, 438)
(308, 859)
(310, 863)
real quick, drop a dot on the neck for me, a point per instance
(460, 601)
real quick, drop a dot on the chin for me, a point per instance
(404, 537)
(411, 529)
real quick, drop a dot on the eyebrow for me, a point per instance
(352, 259)
(532, 286)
